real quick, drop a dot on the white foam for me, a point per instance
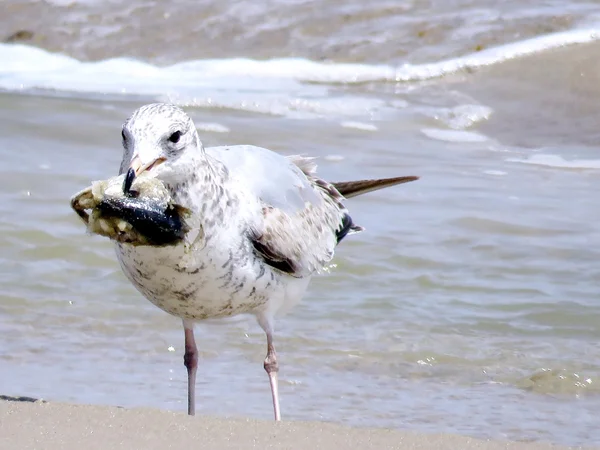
(359, 126)
(212, 127)
(498, 54)
(453, 135)
(293, 87)
(305, 70)
(557, 161)
(496, 173)
(462, 116)
(280, 103)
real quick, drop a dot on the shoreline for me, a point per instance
(27, 423)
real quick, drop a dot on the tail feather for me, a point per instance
(351, 189)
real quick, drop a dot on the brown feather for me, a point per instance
(351, 189)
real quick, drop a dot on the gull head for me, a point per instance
(155, 134)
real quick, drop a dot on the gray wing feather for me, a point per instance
(272, 177)
(300, 215)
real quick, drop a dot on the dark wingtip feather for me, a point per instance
(354, 188)
(272, 258)
(345, 228)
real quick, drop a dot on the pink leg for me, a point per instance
(272, 367)
(190, 360)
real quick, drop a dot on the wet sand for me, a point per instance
(28, 425)
(547, 99)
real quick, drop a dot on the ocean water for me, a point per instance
(470, 303)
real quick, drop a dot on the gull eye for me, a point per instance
(174, 138)
(123, 136)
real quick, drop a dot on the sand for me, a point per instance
(29, 425)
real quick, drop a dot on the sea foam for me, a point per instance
(293, 87)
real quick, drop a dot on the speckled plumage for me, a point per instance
(262, 224)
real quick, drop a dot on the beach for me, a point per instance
(54, 426)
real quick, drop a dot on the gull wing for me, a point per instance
(302, 217)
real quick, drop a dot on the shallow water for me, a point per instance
(470, 303)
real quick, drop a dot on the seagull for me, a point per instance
(262, 225)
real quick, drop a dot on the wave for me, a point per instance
(287, 86)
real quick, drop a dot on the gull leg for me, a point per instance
(271, 366)
(190, 360)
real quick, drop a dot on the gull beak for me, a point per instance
(139, 167)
